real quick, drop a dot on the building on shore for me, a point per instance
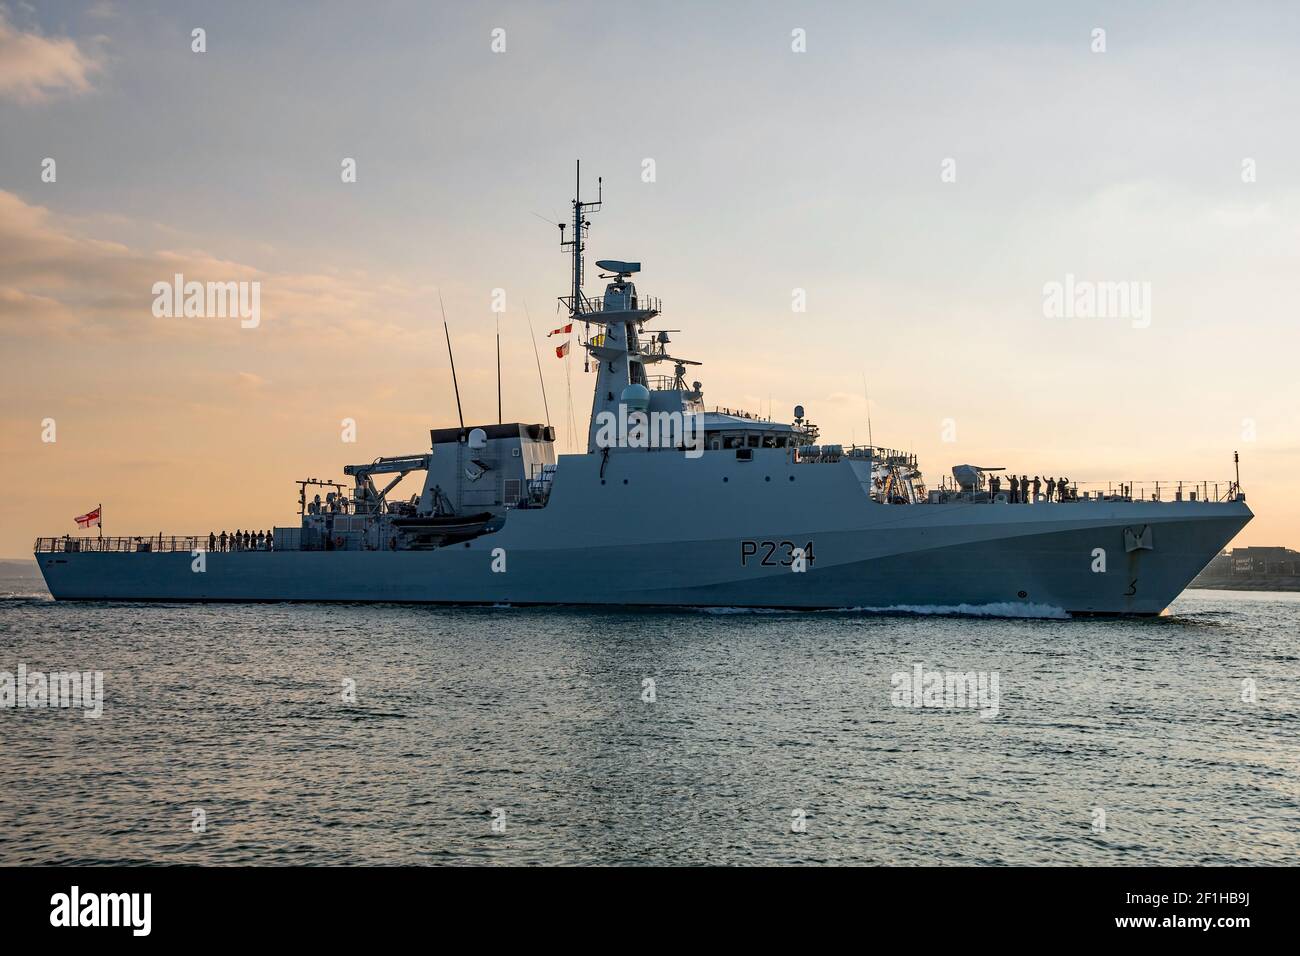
(1255, 568)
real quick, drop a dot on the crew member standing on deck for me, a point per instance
(1048, 487)
(1038, 486)
(1015, 489)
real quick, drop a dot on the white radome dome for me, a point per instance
(636, 397)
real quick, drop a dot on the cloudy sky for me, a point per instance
(921, 171)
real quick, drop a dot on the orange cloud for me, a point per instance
(34, 67)
(56, 283)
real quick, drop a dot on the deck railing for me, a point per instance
(158, 543)
(1137, 490)
(740, 413)
(591, 305)
(1159, 489)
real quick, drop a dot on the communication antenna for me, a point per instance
(498, 369)
(541, 381)
(452, 359)
(871, 442)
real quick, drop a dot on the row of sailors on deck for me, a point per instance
(242, 541)
(1022, 490)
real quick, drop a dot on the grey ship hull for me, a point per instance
(657, 531)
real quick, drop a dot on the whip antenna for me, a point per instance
(541, 381)
(452, 359)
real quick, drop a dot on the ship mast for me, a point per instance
(577, 241)
(620, 358)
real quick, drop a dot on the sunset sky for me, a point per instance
(774, 170)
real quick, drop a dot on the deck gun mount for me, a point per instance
(970, 478)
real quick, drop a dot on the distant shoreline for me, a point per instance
(1256, 584)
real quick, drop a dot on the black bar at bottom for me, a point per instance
(213, 905)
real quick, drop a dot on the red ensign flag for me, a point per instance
(562, 350)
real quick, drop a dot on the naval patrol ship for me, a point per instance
(674, 504)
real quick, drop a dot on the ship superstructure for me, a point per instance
(674, 503)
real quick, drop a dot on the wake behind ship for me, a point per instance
(676, 505)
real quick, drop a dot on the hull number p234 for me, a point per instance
(773, 554)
